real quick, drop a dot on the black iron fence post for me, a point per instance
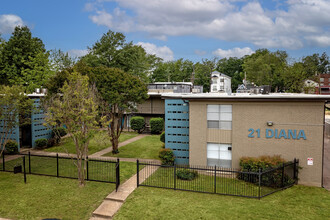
(137, 173)
(282, 181)
(215, 178)
(57, 173)
(87, 174)
(174, 176)
(294, 170)
(24, 169)
(117, 174)
(3, 161)
(29, 162)
(259, 184)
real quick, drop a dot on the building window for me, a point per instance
(219, 116)
(222, 79)
(321, 79)
(219, 155)
(214, 88)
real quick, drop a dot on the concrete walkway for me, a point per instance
(109, 149)
(115, 200)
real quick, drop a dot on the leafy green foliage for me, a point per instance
(166, 156)
(59, 131)
(186, 174)
(24, 60)
(137, 124)
(41, 143)
(76, 107)
(156, 125)
(120, 93)
(11, 147)
(232, 67)
(113, 51)
(270, 179)
(162, 137)
(15, 106)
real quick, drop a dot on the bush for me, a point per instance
(41, 143)
(156, 125)
(51, 142)
(137, 124)
(11, 147)
(166, 156)
(186, 174)
(59, 132)
(270, 179)
(162, 137)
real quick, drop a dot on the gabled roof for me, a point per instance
(219, 74)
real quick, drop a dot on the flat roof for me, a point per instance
(248, 97)
(171, 83)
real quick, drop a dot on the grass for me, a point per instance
(102, 171)
(225, 184)
(145, 148)
(99, 142)
(49, 197)
(298, 202)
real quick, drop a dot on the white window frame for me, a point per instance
(219, 117)
(219, 155)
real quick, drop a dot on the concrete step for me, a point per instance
(107, 209)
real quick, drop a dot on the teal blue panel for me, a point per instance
(38, 130)
(14, 134)
(177, 129)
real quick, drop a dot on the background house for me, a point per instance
(220, 82)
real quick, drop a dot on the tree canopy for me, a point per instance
(24, 60)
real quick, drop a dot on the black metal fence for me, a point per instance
(100, 170)
(218, 180)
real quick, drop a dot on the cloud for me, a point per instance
(235, 52)
(8, 22)
(295, 25)
(77, 53)
(163, 52)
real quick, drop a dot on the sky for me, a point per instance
(174, 29)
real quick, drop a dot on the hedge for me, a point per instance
(156, 125)
(137, 124)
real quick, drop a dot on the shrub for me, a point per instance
(162, 137)
(41, 143)
(186, 174)
(166, 156)
(137, 124)
(270, 179)
(60, 131)
(156, 125)
(51, 142)
(11, 147)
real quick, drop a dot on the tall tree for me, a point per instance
(232, 67)
(202, 76)
(60, 60)
(266, 68)
(120, 92)
(14, 106)
(76, 108)
(294, 77)
(24, 60)
(113, 51)
(316, 64)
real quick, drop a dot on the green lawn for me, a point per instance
(225, 184)
(101, 171)
(49, 197)
(146, 148)
(99, 142)
(298, 202)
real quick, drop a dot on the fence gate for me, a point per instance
(326, 156)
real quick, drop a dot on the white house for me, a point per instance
(220, 82)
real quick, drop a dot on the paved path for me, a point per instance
(115, 200)
(109, 149)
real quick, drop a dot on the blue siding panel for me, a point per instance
(177, 129)
(38, 130)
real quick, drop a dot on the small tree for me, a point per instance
(137, 124)
(76, 108)
(14, 109)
